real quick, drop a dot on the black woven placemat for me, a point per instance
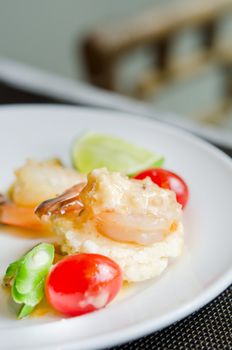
(207, 329)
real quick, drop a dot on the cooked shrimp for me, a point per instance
(133, 222)
(12, 215)
(66, 202)
(26, 217)
(121, 209)
(134, 228)
(38, 181)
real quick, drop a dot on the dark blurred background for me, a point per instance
(174, 54)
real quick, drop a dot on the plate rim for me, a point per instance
(142, 328)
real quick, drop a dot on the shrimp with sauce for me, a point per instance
(134, 222)
(35, 182)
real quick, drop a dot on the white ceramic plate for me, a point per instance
(198, 276)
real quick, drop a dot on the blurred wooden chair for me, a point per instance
(158, 30)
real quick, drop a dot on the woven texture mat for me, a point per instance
(210, 328)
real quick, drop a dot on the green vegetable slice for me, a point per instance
(96, 151)
(32, 298)
(27, 276)
(16, 296)
(36, 295)
(35, 266)
(11, 272)
(25, 311)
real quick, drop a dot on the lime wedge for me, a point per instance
(96, 151)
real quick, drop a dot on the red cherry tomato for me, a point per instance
(166, 179)
(83, 283)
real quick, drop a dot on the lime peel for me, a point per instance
(94, 150)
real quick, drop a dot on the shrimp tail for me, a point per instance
(63, 204)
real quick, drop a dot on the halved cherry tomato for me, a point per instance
(83, 283)
(169, 180)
